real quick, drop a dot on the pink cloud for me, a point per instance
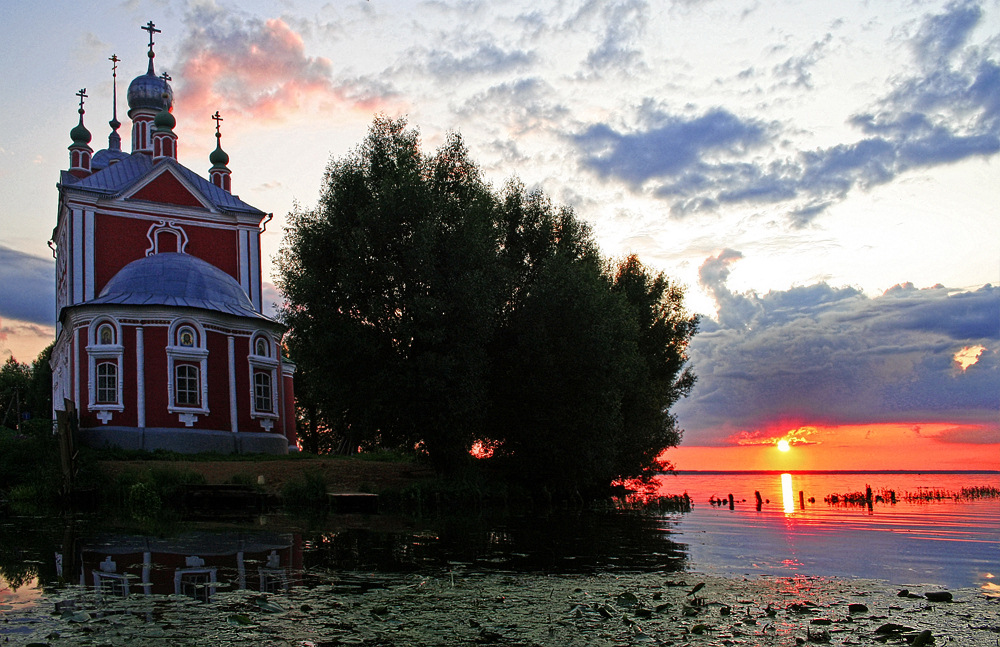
(258, 69)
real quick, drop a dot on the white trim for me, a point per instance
(166, 165)
(260, 363)
(97, 354)
(244, 261)
(88, 277)
(197, 353)
(165, 225)
(233, 408)
(74, 367)
(255, 270)
(77, 247)
(140, 377)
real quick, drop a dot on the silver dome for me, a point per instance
(175, 279)
(146, 92)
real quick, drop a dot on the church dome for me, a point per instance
(150, 92)
(177, 279)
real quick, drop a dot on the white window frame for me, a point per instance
(263, 364)
(196, 354)
(98, 353)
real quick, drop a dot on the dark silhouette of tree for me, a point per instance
(428, 311)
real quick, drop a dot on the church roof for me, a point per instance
(118, 178)
(177, 279)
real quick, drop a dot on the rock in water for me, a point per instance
(923, 639)
(857, 607)
(938, 596)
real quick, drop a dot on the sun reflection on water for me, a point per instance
(787, 498)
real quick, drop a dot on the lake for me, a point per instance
(915, 541)
(920, 540)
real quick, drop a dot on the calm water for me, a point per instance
(946, 543)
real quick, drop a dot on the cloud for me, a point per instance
(482, 58)
(27, 287)
(246, 65)
(622, 23)
(946, 111)
(672, 147)
(271, 298)
(825, 356)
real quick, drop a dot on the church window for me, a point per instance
(107, 383)
(262, 392)
(187, 386)
(261, 347)
(187, 369)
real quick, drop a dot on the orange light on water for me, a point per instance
(787, 497)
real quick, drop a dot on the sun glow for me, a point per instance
(783, 445)
(969, 356)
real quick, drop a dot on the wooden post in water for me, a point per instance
(731, 506)
(802, 500)
(760, 501)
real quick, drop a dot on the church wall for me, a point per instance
(119, 242)
(155, 340)
(216, 246)
(218, 384)
(128, 417)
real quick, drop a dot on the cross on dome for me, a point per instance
(151, 28)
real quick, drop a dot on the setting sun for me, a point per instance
(783, 445)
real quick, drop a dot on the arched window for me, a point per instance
(263, 401)
(105, 369)
(261, 348)
(107, 383)
(187, 386)
(187, 370)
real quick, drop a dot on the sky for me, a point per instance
(823, 177)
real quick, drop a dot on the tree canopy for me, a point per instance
(428, 311)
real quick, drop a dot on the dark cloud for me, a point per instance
(819, 355)
(671, 147)
(27, 291)
(949, 111)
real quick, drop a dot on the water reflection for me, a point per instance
(787, 496)
(199, 563)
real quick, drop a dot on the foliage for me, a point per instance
(26, 390)
(428, 312)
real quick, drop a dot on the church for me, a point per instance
(161, 340)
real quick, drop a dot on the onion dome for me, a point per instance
(164, 120)
(218, 157)
(79, 134)
(150, 92)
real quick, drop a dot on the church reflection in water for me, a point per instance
(194, 564)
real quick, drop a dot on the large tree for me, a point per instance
(427, 310)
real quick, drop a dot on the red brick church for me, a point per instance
(161, 340)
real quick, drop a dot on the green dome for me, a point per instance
(164, 120)
(80, 134)
(218, 157)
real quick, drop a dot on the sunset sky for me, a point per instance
(824, 177)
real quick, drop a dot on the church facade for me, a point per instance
(161, 340)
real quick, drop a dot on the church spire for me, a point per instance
(80, 150)
(219, 173)
(148, 95)
(151, 28)
(114, 139)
